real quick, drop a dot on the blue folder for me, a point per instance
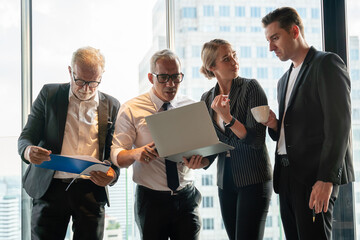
(67, 164)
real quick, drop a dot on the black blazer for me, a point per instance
(317, 123)
(45, 128)
(249, 160)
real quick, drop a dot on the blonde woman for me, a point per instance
(244, 174)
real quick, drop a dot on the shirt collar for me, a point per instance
(94, 99)
(158, 102)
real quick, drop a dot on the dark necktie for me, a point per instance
(171, 169)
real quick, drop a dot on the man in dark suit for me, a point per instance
(70, 119)
(313, 133)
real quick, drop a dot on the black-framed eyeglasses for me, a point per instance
(164, 78)
(81, 83)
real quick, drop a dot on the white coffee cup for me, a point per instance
(261, 113)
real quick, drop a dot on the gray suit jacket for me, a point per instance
(317, 122)
(249, 160)
(45, 128)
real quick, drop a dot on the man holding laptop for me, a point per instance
(167, 202)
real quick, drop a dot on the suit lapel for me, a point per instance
(300, 78)
(62, 101)
(102, 124)
(234, 94)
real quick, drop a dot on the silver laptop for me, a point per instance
(185, 131)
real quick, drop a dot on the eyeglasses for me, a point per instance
(81, 83)
(164, 78)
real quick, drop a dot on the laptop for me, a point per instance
(185, 131)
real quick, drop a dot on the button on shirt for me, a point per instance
(81, 130)
(131, 131)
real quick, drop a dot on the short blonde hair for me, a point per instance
(88, 56)
(208, 56)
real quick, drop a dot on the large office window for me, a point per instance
(240, 11)
(10, 122)
(224, 11)
(208, 11)
(353, 20)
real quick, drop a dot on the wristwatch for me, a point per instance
(230, 124)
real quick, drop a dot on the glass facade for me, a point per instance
(58, 30)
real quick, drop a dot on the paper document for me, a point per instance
(80, 165)
(75, 164)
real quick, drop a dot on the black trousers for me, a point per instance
(296, 216)
(244, 209)
(84, 202)
(160, 215)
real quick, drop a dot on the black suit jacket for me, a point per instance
(249, 160)
(317, 123)
(45, 128)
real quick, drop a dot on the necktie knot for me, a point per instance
(165, 106)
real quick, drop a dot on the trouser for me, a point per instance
(84, 202)
(244, 209)
(296, 216)
(160, 215)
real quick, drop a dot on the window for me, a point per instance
(180, 51)
(208, 202)
(245, 52)
(354, 54)
(195, 72)
(10, 75)
(195, 51)
(315, 13)
(246, 72)
(206, 180)
(262, 73)
(208, 11)
(224, 11)
(269, 9)
(261, 52)
(208, 223)
(315, 30)
(189, 12)
(224, 28)
(240, 11)
(255, 29)
(302, 12)
(277, 72)
(255, 12)
(240, 29)
(355, 74)
(268, 221)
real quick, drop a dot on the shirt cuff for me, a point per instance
(114, 154)
(27, 153)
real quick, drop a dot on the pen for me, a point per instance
(314, 214)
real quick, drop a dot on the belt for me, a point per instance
(284, 160)
(184, 190)
(68, 180)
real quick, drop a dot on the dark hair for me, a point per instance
(286, 16)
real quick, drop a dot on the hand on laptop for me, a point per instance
(196, 162)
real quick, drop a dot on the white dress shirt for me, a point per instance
(81, 130)
(131, 131)
(292, 79)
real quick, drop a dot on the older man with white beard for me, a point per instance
(70, 119)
